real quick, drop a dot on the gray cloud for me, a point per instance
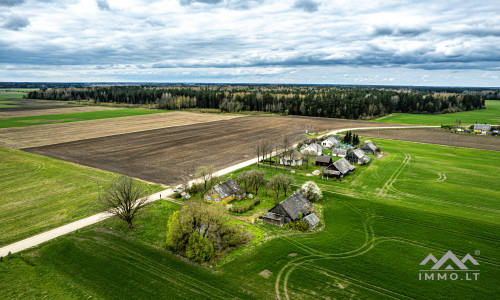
(189, 2)
(102, 4)
(306, 5)
(16, 23)
(10, 3)
(399, 30)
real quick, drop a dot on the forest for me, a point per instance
(316, 101)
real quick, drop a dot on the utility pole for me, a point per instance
(98, 191)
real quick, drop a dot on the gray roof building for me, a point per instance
(482, 127)
(292, 207)
(369, 148)
(312, 220)
(227, 188)
(343, 166)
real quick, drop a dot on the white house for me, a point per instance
(293, 159)
(330, 142)
(312, 149)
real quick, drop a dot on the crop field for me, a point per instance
(39, 193)
(436, 136)
(379, 225)
(490, 115)
(11, 95)
(170, 155)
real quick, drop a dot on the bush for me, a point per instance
(244, 208)
(297, 225)
(311, 191)
(199, 248)
(177, 195)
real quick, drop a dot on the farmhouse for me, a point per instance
(225, 192)
(293, 159)
(339, 169)
(357, 156)
(323, 160)
(312, 149)
(330, 142)
(369, 148)
(482, 128)
(339, 152)
(290, 210)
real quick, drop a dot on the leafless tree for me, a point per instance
(124, 198)
(206, 173)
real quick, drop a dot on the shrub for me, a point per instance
(199, 248)
(177, 195)
(244, 208)
(311, 191)
(297, 225)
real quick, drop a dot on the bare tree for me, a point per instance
(206, 173)
(124, 198)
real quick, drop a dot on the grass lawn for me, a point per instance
(490, 115)
(39, 193)
(64, 118)
(380, 223)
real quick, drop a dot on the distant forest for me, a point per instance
(317, 101)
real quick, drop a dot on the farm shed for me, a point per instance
(330, 142)
(339, 169)
(339, 152)
(482, 128)
(293, 159)
(357, 156)
(312, 220)
(369, 148)
(289, 210)
(225, 192)
(323, 160)
(312, 149)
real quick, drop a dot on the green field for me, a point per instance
(74, 117)
(380, 223)
(490, 115)
(39, 193)
(11, 95)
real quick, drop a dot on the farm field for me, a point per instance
(39, 193)
(170, 155)
(490, 115)
(7, 95)
(378, 226)
(73, 117)
(436, 136)
(22, 137)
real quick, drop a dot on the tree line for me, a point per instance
(315, 101)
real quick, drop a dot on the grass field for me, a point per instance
(380, 223)
(73, 117)
(11, 95)
(490, 115)
(39, 193)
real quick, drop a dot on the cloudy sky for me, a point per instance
(388, 42)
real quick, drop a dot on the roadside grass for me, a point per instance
(490, 115)
(39, 193)
(415, 200)
(73, 117)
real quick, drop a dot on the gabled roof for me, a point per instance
(323, 159)
(315, 147)
(294, 205)
(295, 155)
(369, 146)
(227, 188)
(312, 220)
(333, 140)
(343, 166)
(358, 153)
(339, 151)
(482, 127)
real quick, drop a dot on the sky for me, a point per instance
(389, 42)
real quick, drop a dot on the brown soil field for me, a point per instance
(37, 111)
(48, 134)
(169, 155)
(436, 136)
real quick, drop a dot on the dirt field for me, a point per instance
(169, 155)
(436, 136)
(34, 136)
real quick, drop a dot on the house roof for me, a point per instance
(227, 188)
(333, 140)
(294, 205)
(482, 127)
(369, 146)
(312, 220)
(315, 147)
(339, 151)
(295, 155)
(358, 153)
(273, 216)
(323, 159)
(343, 166)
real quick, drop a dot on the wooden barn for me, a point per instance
(290, 210)
(323, 160)
(357, 156)
(339, 169)
(225, 192)
(369, 148)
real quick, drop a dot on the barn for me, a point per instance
(323, 160)
(290, 210)
(339, 169)
(357, 156)
(369, 148)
